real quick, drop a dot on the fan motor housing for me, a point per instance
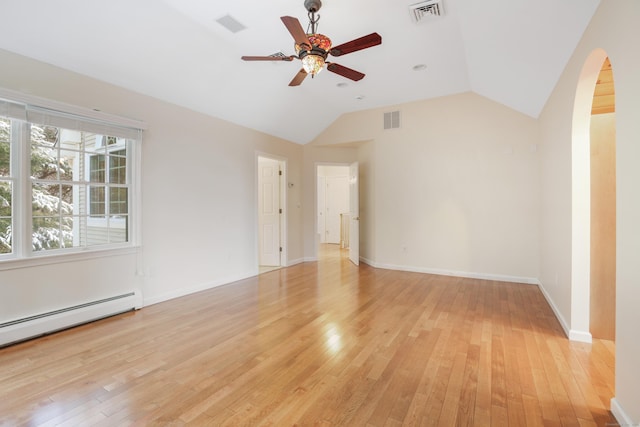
(312, 5)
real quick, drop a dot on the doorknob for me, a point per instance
(357, 218)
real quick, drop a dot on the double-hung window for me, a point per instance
(67, 182)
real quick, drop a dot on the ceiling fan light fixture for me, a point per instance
(313, 64)
(312, 48)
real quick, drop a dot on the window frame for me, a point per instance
(12, 106)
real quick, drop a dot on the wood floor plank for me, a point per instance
(325, 344)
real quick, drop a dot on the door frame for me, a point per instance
(315, 199)
(581, 198)
(283, 205)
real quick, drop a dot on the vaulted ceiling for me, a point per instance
(510, 51)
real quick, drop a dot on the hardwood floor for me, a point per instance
(322, 344)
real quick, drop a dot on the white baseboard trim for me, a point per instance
(367, 261)
(621, 416)
(201, 287)
(310, 259)
(580, 336)
(440, 272)
(559, 316)
(295, 261)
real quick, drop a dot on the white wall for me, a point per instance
(613, 28)
(199, 200)
(455, 190)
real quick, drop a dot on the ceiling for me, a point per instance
(510, 51)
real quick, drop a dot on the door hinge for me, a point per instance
(280, 248)
(280, 173)
(280, 210)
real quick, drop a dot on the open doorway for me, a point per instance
(271, 174)
(337, 214)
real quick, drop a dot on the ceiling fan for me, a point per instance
(313, 48)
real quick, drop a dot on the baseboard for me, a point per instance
(559, 316)
(621, 416)
(295, 261)
(198, 288)
(310, 259)
(367, 261)
(580, 336)
(442, 272)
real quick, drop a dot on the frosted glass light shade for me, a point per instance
(313, 64)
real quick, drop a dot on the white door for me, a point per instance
(269, 211)
(354, 211)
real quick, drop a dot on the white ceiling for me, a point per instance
(511, 51)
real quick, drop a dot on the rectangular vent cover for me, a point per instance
(392, 120)
(426, 9)
(230, 23)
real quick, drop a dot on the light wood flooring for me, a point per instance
(317, 344)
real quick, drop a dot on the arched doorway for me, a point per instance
(593, 202)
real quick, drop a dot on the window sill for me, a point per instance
(37, 260)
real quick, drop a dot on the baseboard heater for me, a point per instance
(45, 323)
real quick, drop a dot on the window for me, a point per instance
(115, 162)
(65, 182)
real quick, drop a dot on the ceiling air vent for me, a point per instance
(426, 9)
(230, 23)
(392, 120)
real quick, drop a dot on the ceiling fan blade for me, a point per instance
(345, 72)
(267, 58)
(364, 42)
(298, 78)
(296, 30)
